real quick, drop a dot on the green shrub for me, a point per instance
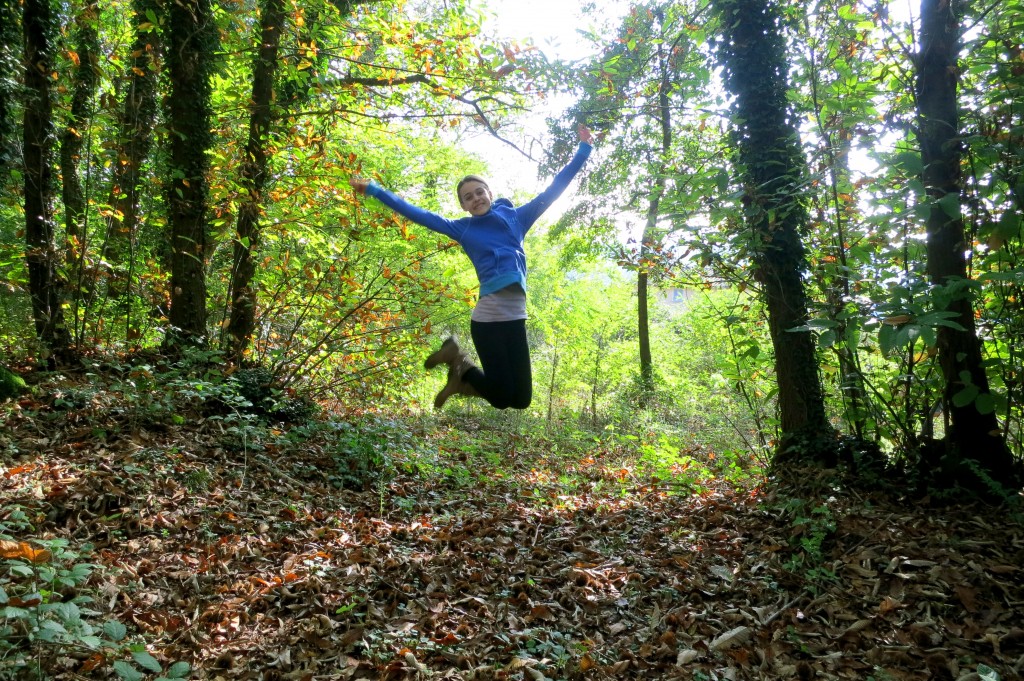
(46, 611)
(11, 384)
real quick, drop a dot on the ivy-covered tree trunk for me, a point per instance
(974, 432)
(72, 142)
(191, 39)
(752, 49)
(38, 138)
(254, 181)
(134, 140)
(10, 39)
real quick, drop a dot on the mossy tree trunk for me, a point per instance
(10, 39)
(38, 139)
(752, 50)
(255, 173)
(190, 39)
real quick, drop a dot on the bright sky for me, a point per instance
(549, 24)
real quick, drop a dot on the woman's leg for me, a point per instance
(504, 379)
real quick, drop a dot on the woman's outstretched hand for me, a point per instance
(359, 184)
(585, 134)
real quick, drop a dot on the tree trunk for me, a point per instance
(72, 142)
(255, 174)
(40, 248)
(973, 434)
(134, 139)
(552, 384)
(644, 337)
(770, 157)
(191, 37)
(10, 40)
(664, 119)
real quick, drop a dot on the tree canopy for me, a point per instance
(175, 179)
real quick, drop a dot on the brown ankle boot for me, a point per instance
(456, 385)
(448, 351)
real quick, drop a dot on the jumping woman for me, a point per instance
(492, 236)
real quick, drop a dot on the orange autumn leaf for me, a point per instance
(23, 550)
(18, 470)
(92, 663)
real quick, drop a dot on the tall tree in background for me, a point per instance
(38, 138)
(191, 39)
(85, 59)
(663, 61)
(752, 51)
(133, 140)
(975, 430)
(639, 92)
(254, 175)
(9, 68)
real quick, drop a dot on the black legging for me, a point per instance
(505, 379)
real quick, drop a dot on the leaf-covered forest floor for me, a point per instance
(476, 550)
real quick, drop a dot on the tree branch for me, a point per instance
(480, 114)
(401, 80)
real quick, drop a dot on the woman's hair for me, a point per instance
(469, 178)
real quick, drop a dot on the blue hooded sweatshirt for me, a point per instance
(493, 241)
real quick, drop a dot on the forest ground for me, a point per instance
(464, 547)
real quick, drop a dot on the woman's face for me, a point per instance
(475, 197)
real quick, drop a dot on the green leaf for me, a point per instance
(147, 661)
(887, 340)
(114, 630)
(91, 642)
(1008, 226)
(722, 180)
(128, 672)
(910, 162)
(69, 612)
(852, 339)
(965, 396)
(53, 626)
(12, 613)
(827, 338)
(929, 336)
(986, 403)
(178, 670)
(907, 334)
(950, 205)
